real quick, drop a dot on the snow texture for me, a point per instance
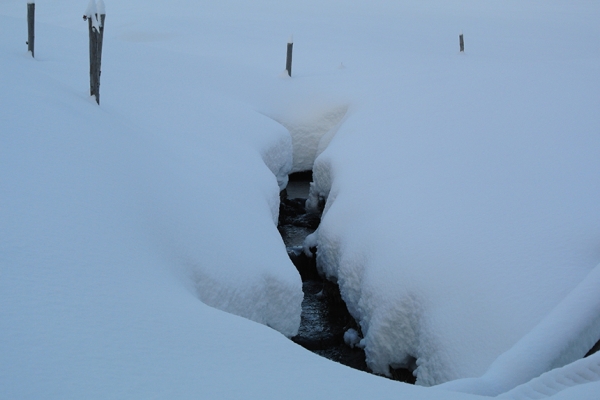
(456, 246)
(311, 129)
(582, 372)
(461, 219)
(462, 207)
(91, 12)
(91, 9)
(101, 8)
(563, 336)
(352, 338)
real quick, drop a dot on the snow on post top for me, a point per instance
(291, 39)
(101, 7)
(91, 9)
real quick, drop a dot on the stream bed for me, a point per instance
(325, 318)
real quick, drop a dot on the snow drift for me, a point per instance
(462, 201)
(461, 195)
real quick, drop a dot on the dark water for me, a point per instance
(325, 317)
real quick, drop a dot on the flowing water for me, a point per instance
(325, 317)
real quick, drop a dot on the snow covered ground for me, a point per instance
(461, 219)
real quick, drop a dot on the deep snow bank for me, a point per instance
(107, 212)
(462, 201)
(567, 332)
(449, 254)
(311, 126)
(72, 171)
(562, 382)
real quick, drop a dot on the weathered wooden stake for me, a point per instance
(30, 27)
(99, 54)
(94, 78)
(96, 38)
(462, 43)
(288, 61)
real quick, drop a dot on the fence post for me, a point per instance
(98, 61)
(94, 84)
(288, 61)
(30, 27)
(462, 43)
(96, 33)
(102, 13)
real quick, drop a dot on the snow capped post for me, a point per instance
(95, 14)
(102, 12)
(30, 26)
(288, 61)
(461, 42)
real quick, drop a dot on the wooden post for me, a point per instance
(96, 38)
(30, 27)
(462, 43)
(100, 38)
(288, 61)
(93, 59)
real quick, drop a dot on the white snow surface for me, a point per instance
(560, 381)
(461, 220)
(101, 7)
(569, 330)
(92, 12)
(352, 338)
(91, 8)
(462, 198)
(459, 217)
(311, 129)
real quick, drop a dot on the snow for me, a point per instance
(311, 128)
(139, 253)
(91, 9)
(560, 381)
(101, 7)
(91, 12)
(569, 330)
(352, 338)
(462, 203)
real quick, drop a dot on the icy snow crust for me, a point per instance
(461, 220)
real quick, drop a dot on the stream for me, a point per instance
(325, 317)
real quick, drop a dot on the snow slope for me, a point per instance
(120, 223)
(563, 382)
(569, 330)
(462, 192)
(118, 174)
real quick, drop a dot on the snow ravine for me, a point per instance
(139, 252)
